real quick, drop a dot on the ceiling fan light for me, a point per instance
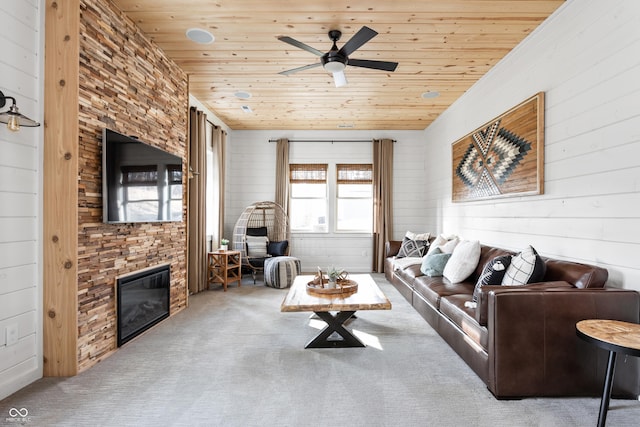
(334, 67)
(340, 79)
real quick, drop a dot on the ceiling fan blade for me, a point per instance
(361, 37)
(376, 65)
(340, 79)
(304, 67)
(300, 45)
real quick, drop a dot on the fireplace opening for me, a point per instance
(143, 301)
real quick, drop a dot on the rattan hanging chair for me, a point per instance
(261, 219)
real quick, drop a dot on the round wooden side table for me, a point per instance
(615, 336)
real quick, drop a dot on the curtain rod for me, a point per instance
(215, 126)
(330, 140)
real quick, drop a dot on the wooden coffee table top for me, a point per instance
(367, 297)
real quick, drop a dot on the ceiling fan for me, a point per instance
(336, 59)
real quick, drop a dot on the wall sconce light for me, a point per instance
(13, 118)
(192, 174)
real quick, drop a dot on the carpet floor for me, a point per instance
(233, 359)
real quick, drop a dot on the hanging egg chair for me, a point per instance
(261, 232)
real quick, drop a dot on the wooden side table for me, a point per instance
(615, 336)
(224, 267)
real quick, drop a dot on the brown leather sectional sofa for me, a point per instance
(521, 340)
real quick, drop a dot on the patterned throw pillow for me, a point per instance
(257, 246)
(434, 264)
(526, 267)
(492, 273)
(412, 248)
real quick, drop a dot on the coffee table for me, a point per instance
(367, 297)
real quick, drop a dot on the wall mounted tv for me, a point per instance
(140, 183)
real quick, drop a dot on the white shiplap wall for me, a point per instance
(586, 59)
(251, 178)
(21, 68)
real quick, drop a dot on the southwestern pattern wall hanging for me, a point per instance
(505, 157)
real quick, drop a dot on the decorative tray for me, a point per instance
(342, 287)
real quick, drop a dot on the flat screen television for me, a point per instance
(140, 183)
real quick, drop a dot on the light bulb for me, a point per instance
(13, 124)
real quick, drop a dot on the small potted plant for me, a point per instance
(333, 274)
(224, 244)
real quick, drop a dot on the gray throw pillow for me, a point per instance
(434, 263)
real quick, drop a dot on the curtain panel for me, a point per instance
(216, 216)
(196, 216)
(282, 174)
(382, 200)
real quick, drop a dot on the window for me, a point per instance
(354, 191)
(308, 197)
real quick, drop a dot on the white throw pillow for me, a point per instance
(257, 246)
(463, 261)
(445, 243)
(417, 236)
(450, 246)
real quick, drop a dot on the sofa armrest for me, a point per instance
(534, 350)
(483, 296)
(391, 248)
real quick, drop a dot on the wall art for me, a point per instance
(502, 158)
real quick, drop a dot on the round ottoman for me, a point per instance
(280, 271)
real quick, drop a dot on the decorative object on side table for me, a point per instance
(224, 244)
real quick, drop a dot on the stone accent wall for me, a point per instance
(126, 84)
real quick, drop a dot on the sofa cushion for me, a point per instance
(453, 307)
(409, 273)
(526, 267)
(492, 274)
(463, 261)
(431, 289)
(402, 263)
(579, 275)
(433, 265)
(412, 248)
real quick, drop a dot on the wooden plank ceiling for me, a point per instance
(441, 46)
